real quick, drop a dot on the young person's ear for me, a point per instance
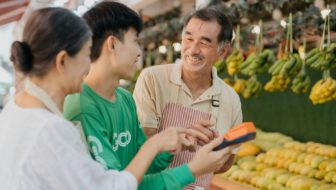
(110, 43)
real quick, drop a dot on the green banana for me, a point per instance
(248, 61)
(270, 57)
(278, 68)
(297, 66)
(311, 53)
(317, 63)
(232, 55)
(289, 64)
(311, 60)
(274, 66)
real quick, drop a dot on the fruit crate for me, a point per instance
(219, 183)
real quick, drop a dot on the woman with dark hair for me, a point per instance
(39, 148)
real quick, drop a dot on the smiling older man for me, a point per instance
(190, 94)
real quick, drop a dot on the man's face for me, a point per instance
(200, 47)
(127, 55)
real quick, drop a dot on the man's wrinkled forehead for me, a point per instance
(197, 25)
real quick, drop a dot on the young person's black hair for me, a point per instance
(110, 18)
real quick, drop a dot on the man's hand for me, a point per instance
(205, 127)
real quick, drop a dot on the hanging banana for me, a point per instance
(277, 83)
(323, 91)
(301, 82)
(253, 87)
(322, 60)
(257, 64)
(233, 62)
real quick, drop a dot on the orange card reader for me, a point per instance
(238, 134)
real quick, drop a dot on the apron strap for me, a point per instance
(40, 94)
(215, 103)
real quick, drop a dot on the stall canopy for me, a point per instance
(12, 10)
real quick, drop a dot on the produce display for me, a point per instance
(275, 161)
(289, 71)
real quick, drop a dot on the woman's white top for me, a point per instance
(40, 150)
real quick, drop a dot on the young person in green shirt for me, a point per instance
(107, 112)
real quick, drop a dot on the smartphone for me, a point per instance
(239, 134)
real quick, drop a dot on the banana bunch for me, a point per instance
(277, 83)
(229, 81)
(276, 67)
(245, 66)
(239, 86)
(287, 67)
(233, 61)
(253, 88)
(292, 66)
(322, 60)
(220, 66)
(257, 64)
(323, 91)
(301, 82)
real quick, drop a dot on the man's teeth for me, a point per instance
(194, 58)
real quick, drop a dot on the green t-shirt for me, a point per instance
(114, 136)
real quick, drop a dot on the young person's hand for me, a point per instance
(192, 136)
(206, 160)
(192, 145)
(175, 139)
(227, 165)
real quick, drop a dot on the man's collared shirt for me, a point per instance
(159, 85)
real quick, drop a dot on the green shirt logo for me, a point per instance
(96, 149)
(123, 139)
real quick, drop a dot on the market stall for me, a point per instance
(282, 66)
